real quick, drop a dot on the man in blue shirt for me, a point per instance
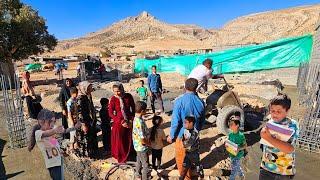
(189, 104)
(155, 87)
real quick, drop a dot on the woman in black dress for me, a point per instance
(87, 137)
(64, 96)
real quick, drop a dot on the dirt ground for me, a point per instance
(21, 164)
(308, 164)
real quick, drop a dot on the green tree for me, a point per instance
(22, 33)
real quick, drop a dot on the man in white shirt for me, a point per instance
(203, 73)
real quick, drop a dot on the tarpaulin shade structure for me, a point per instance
(33, 67)
(288, 52)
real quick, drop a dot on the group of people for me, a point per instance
(129, 138)
(77, 107)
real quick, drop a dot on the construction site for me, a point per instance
(253, 72)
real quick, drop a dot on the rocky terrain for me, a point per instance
(249, 87)
(268, 26)
(146, 33)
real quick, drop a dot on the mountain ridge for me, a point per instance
(146, 33)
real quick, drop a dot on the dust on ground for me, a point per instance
(21, 164)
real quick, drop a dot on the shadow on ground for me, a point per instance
(2, 168)
(3, 174)
(169, 163)
(212, 159)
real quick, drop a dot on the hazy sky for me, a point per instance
(74, 18)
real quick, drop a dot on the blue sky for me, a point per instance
(74, 18)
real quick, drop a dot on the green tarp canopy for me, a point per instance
(288, 52)
(33, 67)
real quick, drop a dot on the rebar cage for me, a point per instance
(308, 88)
(12, 102)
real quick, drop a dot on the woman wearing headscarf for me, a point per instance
(33, 106)
(122, 111)
(87, 137)
(64, 96)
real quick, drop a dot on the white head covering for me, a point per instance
(83, 88)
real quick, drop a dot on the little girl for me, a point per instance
(44, 137)
(157, 137)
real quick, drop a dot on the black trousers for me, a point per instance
(191, 160)
(65, 125)
(156, 156)
(106, 135)
(55, 173)
(266, 175)
(156, 96)
(33, 107)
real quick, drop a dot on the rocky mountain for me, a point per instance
(268, 26)
(144, 32)
(129, 32)
(142, 27)
(194, 31)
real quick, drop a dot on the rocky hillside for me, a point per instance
(145, 32)
(195, 31)
(268, 26)
(129, 32)
(144, 26)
